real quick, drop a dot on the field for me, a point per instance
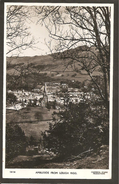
(30, 73)
(48, 72)
(27, 120)
(39, 69)
(31, 126)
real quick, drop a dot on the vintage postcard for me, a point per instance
(58, 91)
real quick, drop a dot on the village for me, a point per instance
(50, 97)
(50, 92)
(57, 88)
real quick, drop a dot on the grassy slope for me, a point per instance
(27, 115)
(93, 161)
(26, 119)
(55, 69)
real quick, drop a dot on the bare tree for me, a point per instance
(22, 76)
(75, 26)
(18, 37)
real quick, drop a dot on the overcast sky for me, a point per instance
(41, 36)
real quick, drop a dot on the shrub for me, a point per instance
(11, 98)
(77, 130)
(15, 141)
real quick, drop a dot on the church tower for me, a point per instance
(45, 97)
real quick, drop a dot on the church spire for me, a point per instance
(45, 89)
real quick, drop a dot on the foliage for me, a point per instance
(32, 141)
(23, 77)
(11, 98)
(80, 127)
(15, 141)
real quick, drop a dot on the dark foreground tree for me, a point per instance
(15, 141)
(78, 129)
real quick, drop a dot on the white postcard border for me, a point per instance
(60, 173)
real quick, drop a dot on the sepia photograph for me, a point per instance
(58, 90)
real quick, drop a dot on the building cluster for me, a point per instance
(59, 93)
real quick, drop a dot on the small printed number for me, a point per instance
(12, 171)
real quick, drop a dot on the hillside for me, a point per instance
(29, 123)
(30, 73)
(55, 67)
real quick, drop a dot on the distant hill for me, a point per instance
(52, 67)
